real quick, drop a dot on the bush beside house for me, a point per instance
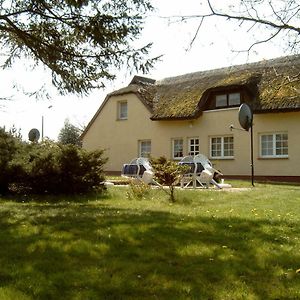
(48, 167)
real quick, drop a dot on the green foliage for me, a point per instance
(54, 168)
(8, 148)
(138, 190)
(70, 134)
(167, 172)
(80, 41)
(15, 132)
(48, 167)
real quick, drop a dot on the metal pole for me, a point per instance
(252, 163)
(42, 128)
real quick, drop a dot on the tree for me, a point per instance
(15, 132)
(167, 172)
(8, 148)
(271, 18)
(70, 134)
(82, 42)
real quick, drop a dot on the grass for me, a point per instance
(207, 245)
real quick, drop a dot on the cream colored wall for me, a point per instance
(279, 122)
(120, 138)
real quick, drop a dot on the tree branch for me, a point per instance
(250, 19)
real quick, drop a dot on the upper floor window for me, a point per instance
(177, 148)
(274, 145)
(144, 148)
(221, 147)
(194, 146)
(227, 100)
(122, 110)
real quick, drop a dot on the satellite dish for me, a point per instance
(33, 135)
(245, 116)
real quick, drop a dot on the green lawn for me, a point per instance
(207, 245)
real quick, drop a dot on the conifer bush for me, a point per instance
(48, 167)
(8, 148)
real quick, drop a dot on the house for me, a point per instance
(192, 113)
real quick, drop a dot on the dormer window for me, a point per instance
(228, 100)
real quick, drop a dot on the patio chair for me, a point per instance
(189, 176)
(136, 168)
(141, 169)
(200, 172)
(207, 175)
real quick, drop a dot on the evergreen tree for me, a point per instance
(70, 134)
(82, 42)
(8, 148)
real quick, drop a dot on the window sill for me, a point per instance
(221, 158)
(122, 119)
(272, 158)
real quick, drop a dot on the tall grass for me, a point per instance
(207, 245)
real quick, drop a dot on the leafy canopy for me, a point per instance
(82, 42)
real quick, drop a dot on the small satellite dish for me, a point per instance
(33, 135)
(245, 116)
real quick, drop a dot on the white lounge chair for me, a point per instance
(136, 168)
(141, 169)
(200, 172)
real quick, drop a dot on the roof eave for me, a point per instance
(179, 118)
(276, 110)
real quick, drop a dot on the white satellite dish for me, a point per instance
(245, 116)
(33, 135)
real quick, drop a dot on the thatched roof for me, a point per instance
(143, 87)
(274, 85)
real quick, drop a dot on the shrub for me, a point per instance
(48, 167)
(64, 169)
(138, 190)
(8, 149)
(167, 172)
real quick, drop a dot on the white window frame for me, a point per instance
(122, 115)
(222, 149)
(193, 146)
(146, 144)
(273, 148)
(174, 142)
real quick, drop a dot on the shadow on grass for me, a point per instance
(87, 251)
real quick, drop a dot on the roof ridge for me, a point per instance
(258, 64)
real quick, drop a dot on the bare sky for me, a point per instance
(218, 44)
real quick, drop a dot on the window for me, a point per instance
(274, 145)
(227, 100)
(234, 99)
(221, 147)
(221, 100)
(122, 110)
(177, 148)
(144, 148)
(194, 146)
